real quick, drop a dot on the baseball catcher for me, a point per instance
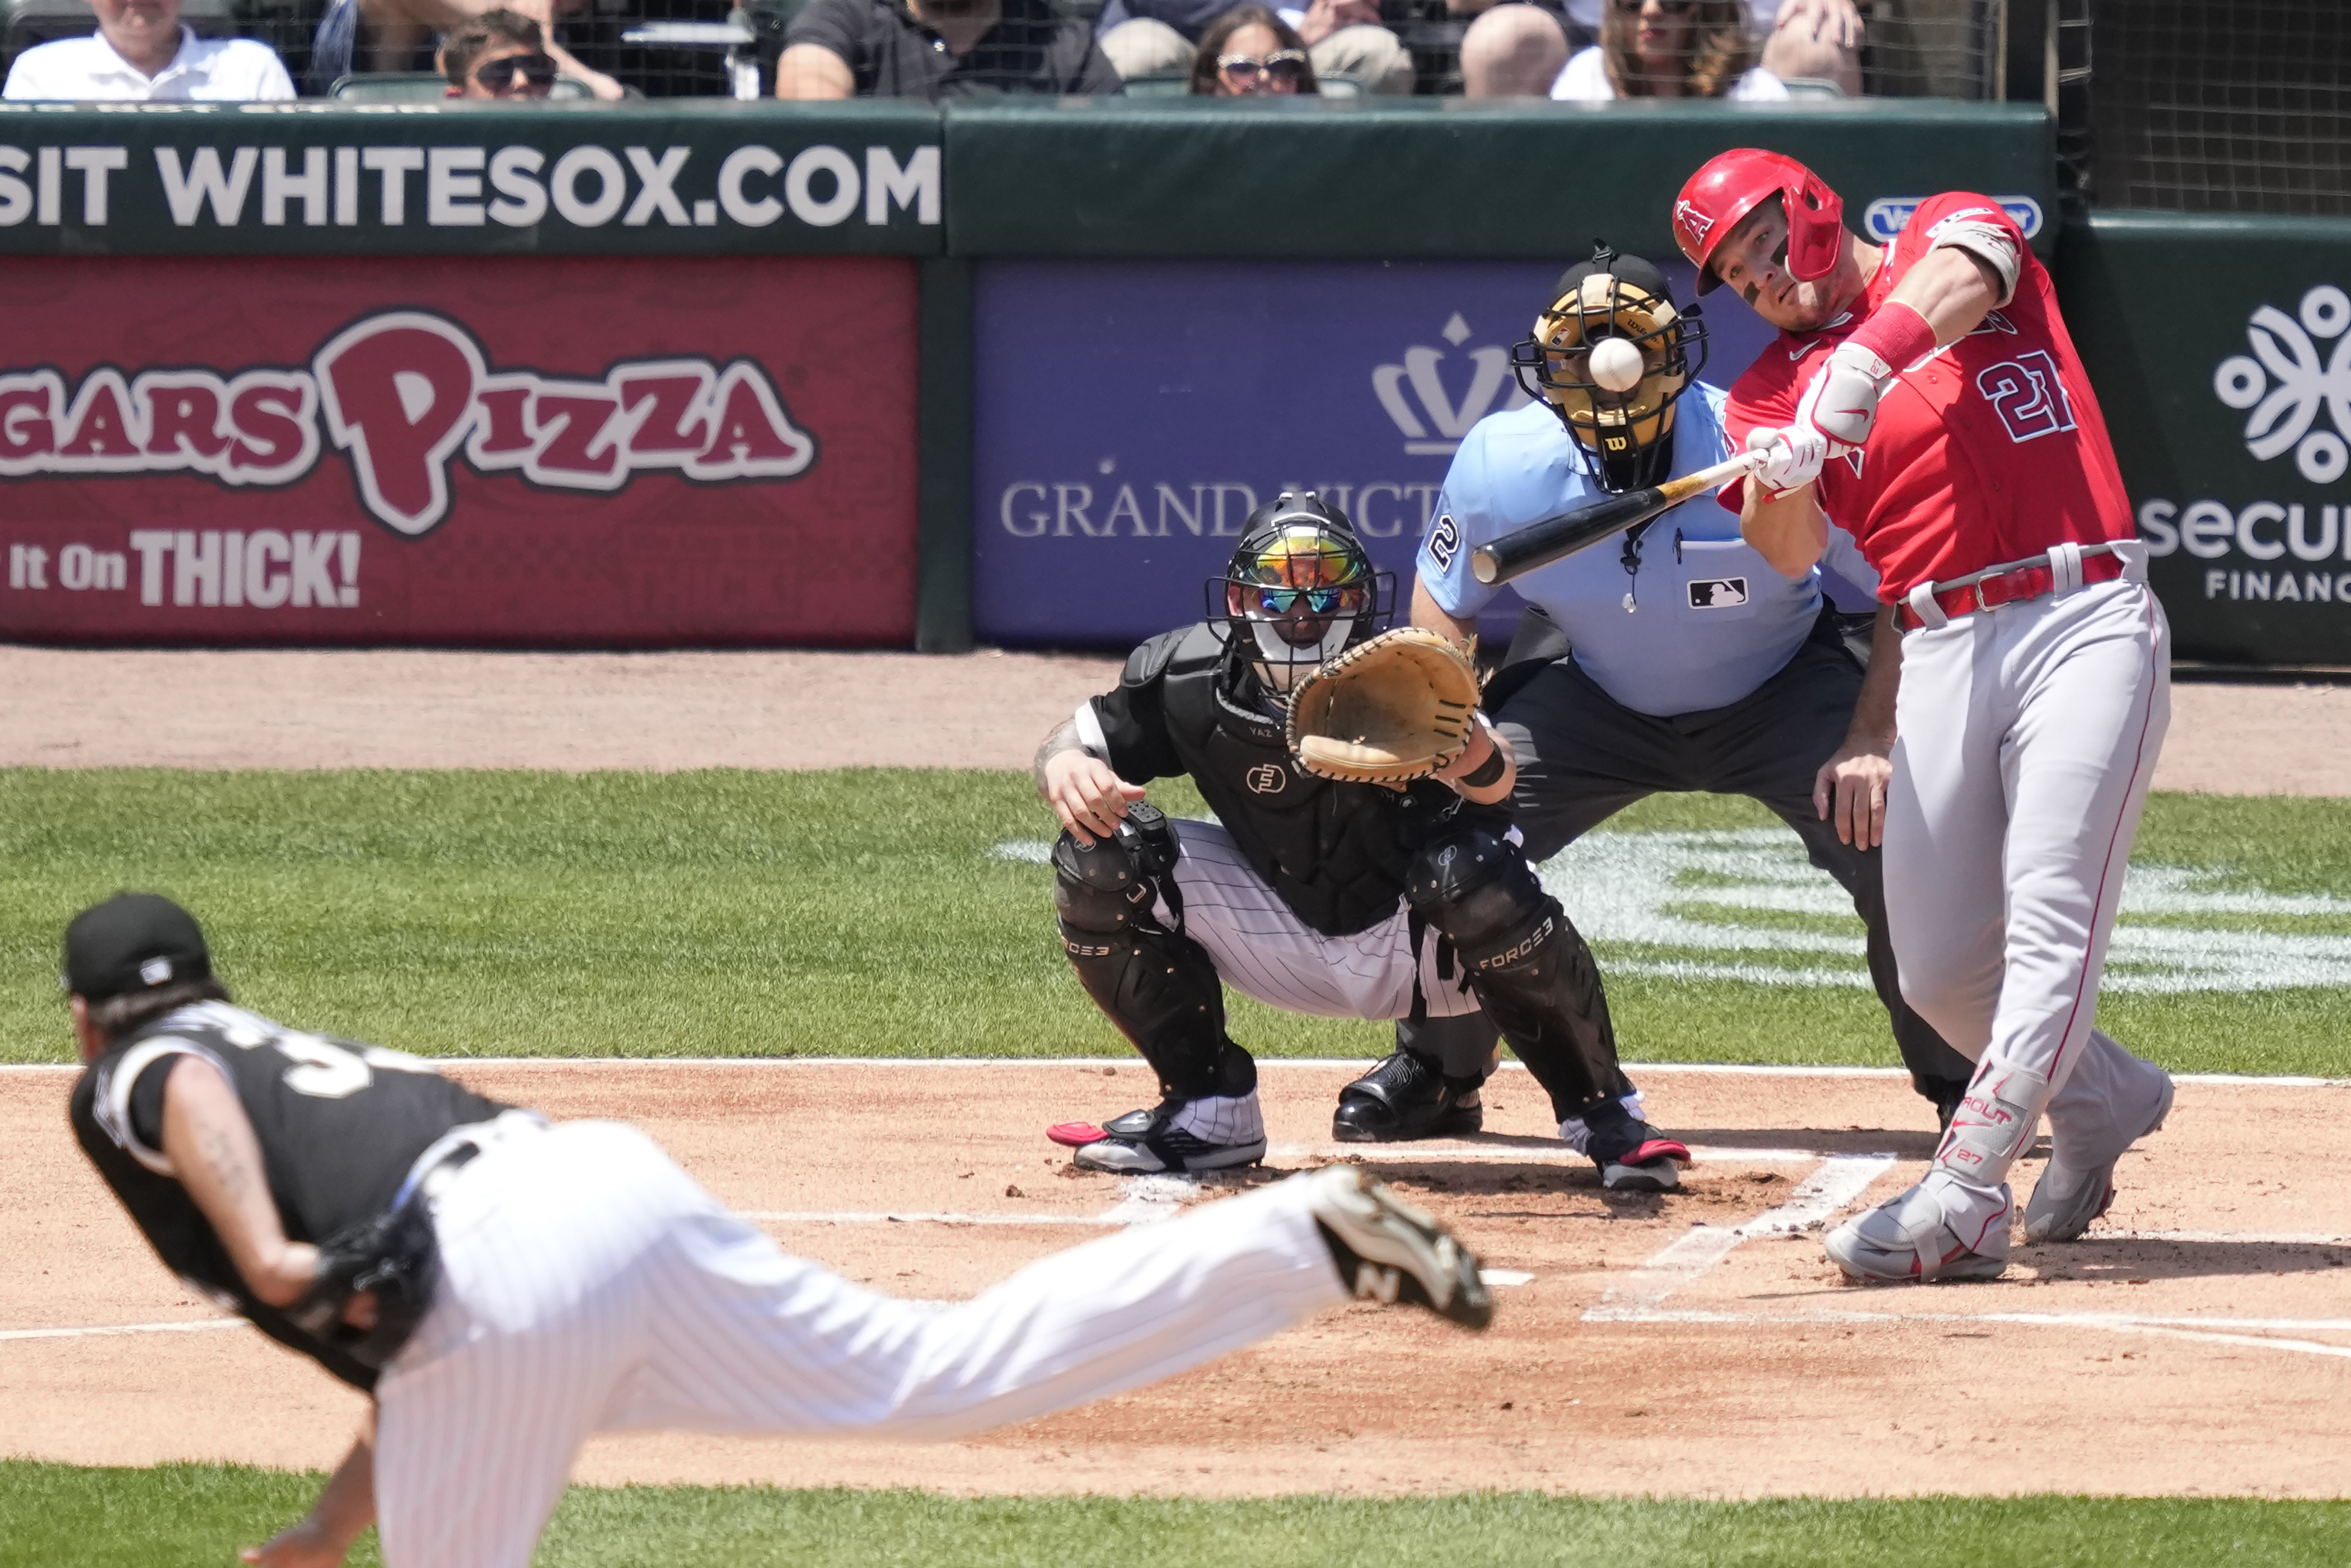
(1368, 874)
(503, 1286)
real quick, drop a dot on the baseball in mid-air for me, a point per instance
(1615, 364)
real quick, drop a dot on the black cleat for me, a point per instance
(1633, 1157)
(1404, 1098)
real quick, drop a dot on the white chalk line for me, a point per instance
(1513, 1154)
(1839, 1179)
(1273, 1064)
(193, 1325)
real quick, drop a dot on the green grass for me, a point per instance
(849, 912)
(190, 1514)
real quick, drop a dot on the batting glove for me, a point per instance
(1792, 457)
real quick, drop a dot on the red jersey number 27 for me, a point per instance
(2027, 394)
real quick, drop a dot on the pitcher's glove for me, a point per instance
(1397, 707)
(394, 1257)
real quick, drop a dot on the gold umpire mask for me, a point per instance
(1624, 432)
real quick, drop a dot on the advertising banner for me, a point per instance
(2232, 418)
(545, 453)
(1130, 414)
(680, 177)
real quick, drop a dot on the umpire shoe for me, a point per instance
(1388, 1252)
(1212, 1132)
(1633, 1157)
(2065, 1202)
(1403, 1098)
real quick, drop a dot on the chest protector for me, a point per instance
(1335, 852)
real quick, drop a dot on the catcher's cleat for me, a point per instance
(2065, 1202)
(1932, 1232)
(1211, 1134)
(1633, 1157)
(1388, 1252)
(1403, 1098)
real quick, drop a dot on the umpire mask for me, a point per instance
(1300, 588)
(1620, 411)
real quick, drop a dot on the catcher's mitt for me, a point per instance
(1396, 707)
(397, 1258)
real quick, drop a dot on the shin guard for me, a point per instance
(1533, 973)
(1159, 987)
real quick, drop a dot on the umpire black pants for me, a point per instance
(1584, 756)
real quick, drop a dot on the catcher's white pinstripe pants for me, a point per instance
(590, 1284)
(1262, 949)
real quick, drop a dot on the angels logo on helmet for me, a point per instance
(1303, 586)
(1624, 434)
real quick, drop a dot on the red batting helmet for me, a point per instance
(1736, 183)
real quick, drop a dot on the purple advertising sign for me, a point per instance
(1131, 414)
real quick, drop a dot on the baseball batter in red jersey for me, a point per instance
(1925, 395)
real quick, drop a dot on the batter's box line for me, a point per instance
(1836, 1182)
(2235, 1332)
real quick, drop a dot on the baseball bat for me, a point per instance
(1539, 544)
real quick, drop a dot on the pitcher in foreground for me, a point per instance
(504, 1286)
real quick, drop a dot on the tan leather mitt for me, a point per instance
(1396, 707)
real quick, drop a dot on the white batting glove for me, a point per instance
(1841, 401)
(1792, 457)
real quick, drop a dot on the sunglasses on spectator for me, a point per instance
(1286, 65)
(538, 72)
(1671, 7)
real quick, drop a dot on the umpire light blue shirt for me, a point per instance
(1713, 623)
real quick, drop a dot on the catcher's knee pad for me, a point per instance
(1528, 964)
(1159, 987)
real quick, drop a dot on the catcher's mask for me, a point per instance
(1303, 586)
(1625, 438)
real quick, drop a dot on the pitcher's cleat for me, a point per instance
(1388, 1252)
(2065, 1202)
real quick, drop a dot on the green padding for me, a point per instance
(1429, 177)
(483, 180)
(2252, 556)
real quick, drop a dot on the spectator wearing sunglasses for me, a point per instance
(940, 49)
(1162, 38)
(1670, 48)
(1250, 52)
(140, 52)
(502, 54)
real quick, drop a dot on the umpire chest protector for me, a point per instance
(1335, 852)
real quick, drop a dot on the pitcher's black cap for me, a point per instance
(133, 942)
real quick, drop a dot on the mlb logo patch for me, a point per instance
(1717, 593)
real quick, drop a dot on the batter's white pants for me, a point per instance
(590, 1285)
(2028, 737)
(1262, 949)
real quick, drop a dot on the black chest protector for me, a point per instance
(1335, 852)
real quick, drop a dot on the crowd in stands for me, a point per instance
(518, 50)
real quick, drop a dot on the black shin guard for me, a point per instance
(1159, 987)
(1533, 973)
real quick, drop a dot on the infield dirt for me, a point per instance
(83, 709)
(2193, 1347)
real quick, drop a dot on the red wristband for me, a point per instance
(1897, 334)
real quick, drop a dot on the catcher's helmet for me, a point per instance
(1303, 586)
(1625, 438)
(1734, 183)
